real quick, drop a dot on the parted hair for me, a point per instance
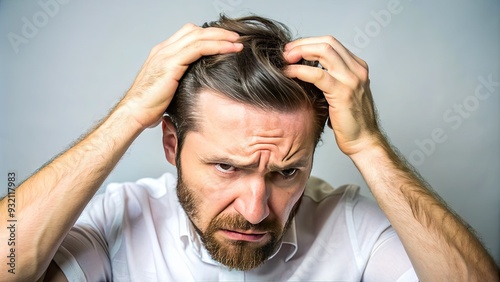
(254, 76)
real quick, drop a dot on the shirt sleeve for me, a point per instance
(83, 255)
(389, 261)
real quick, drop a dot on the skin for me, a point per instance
(252, 162)
(243, 162)
(439, 245)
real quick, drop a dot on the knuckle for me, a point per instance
(153, 51)
(195, 45)
(364, 64)
(321, 74)
(192, 34)
(363, 74)
(197, 32)
(353, 79)
(190, 26)
(331, 40)
(325, 47)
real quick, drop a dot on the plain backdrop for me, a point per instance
(434, 69)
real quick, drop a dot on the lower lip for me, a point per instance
(237, 236)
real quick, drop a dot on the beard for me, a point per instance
(235, 254)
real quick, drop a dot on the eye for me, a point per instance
(226, 168)
(288, 173)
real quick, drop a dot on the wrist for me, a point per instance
(368, 147)
(122, 123)
(375, 151)
(377, 155)
(127, 113)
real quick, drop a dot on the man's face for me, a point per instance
(241, 177)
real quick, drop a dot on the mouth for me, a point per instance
(249, 235)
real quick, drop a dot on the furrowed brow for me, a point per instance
(300, 163)
(225, 160)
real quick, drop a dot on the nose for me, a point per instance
(252, 202)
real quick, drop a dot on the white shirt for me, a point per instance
(139, 232)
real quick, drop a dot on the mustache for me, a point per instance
(237, 221)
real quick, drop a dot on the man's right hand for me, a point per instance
(159, 77)
(49, 202)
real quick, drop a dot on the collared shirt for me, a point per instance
(139, 232)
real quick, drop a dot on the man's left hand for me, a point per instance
(343, 79)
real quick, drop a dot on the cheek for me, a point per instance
(209, 191)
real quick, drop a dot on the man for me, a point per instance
(249, 108)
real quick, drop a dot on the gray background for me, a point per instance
(61, 75)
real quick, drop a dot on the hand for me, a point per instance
(344, 81)
(157, 81)
(401, 194)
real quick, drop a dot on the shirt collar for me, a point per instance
(192, 240)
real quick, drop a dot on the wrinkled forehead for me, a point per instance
(244, 129)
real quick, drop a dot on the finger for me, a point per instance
(203, 42)
(193, 36)
(321, 52)
(360, 61)
(190, 32)
(351, 60)
(194, 42)
(332, 41)
(209, 33)
(319, 77)
(178, 62)
(180, 33)
(191, 52)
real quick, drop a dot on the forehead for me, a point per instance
(231, 127)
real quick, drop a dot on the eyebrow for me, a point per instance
(300, 163)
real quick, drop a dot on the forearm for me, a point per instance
(49, 202)
(439, 245)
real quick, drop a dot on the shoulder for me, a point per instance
(150, 187)
(318, 190)
(320, 193)
(346, 196)
(138, 192)
(338, 225)
(130, 198)
(343, 207)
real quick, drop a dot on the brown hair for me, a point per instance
(253, 76)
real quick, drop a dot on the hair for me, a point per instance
(253, 76)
